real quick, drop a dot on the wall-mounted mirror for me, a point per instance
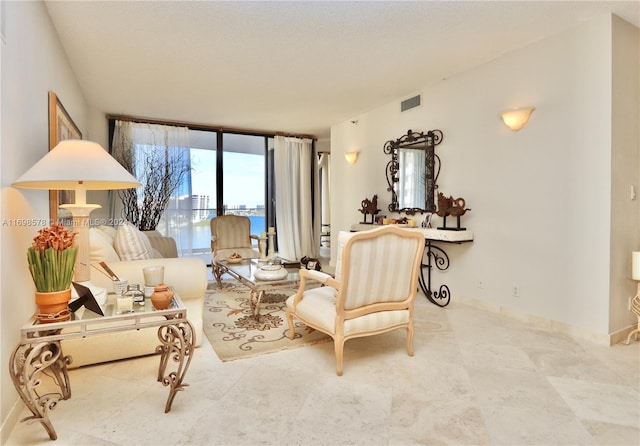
(413, 171)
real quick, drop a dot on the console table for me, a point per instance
(434, 256)
(39, 354)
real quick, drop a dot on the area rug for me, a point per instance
(235, 334)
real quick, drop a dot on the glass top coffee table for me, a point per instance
(260, 277)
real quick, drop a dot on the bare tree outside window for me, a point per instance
(160, 168)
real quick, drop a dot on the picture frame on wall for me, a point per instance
(61, 127)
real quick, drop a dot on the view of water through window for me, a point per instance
(243, 188)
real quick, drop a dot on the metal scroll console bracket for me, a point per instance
(436, 257)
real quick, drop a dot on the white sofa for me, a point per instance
(187, 276)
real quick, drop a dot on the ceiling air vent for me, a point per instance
(410, 103)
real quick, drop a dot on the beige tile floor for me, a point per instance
(476, 378)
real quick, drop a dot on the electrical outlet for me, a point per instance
(516, 291)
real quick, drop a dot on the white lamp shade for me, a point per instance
(635, 265)
(77, 162)
(516, 118)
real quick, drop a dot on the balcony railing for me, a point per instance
(195, 232)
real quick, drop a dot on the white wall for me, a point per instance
(540, 198)
(98, 131)
(625, 140)
(33, 62)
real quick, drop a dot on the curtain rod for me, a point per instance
(193, 126)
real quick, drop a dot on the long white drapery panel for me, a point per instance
(140, 138)
(297, 198)
(324, 162)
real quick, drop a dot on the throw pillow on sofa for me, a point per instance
(101, 246)
(108, 231)
(131, 244)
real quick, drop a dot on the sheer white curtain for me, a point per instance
(297, 198)
(140, 140)
(324, 163)
(177, 219)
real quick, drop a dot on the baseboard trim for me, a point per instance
(11, 421)
(622, 335)
(548, 324)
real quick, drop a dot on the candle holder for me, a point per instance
(272, 247)
(262, 247)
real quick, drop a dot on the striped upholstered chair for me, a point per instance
(373, 290)
(231, 234)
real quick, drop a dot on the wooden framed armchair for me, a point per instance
(229, 234)
(373, 291)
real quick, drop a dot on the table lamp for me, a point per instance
(80, 166)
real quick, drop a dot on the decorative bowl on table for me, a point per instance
(271, 272)
(234, 258)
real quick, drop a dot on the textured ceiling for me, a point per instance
(291, 66)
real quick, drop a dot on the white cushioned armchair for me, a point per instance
(188, 276)
(373, 291)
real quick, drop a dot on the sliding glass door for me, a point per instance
(204, 174)
(243, 180)
(228, 176)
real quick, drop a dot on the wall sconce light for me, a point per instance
(517, 118)
(351, 157)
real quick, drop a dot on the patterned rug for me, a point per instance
(234, 333)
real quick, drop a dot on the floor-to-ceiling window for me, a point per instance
(204, 173)
(228, 176)
(231, 173)
(244, 175)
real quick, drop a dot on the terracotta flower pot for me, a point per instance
(54, 306)
(161, 297)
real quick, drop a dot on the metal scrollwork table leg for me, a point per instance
(29, 365)
(255, 301)
(438, 258)
(635, 308)
(177, 344)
